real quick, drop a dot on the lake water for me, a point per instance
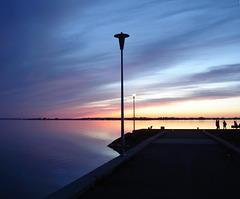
(40, 156)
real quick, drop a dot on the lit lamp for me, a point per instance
(134, 107)
(121, 37)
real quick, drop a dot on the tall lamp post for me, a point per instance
(134, 107)
(121, 37)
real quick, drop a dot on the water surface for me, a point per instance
(40, 156)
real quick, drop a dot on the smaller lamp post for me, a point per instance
(134, 107)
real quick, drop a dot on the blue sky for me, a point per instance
(59, 58)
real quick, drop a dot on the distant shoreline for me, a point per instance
(138, 118)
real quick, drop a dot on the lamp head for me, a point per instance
(121, 37)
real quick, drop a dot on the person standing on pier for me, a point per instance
(224, 124)
(217, 124)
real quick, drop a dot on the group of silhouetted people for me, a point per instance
(224, 124)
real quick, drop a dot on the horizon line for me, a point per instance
(127, 118)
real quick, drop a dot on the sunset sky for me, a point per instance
(59, 58)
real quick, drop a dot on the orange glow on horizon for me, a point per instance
(197, 108)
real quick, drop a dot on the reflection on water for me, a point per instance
(38, 157)
(175, 124)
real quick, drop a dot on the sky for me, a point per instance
(59, 58)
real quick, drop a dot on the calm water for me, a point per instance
(38, 157)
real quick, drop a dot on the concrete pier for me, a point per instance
(171, 164)
(179, 164)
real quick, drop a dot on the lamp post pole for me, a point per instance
(121, 37)
(134, 106)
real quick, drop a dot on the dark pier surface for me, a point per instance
(178, 164)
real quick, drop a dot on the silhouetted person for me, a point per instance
(235, 123)
(217, 124)
(224, 124)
